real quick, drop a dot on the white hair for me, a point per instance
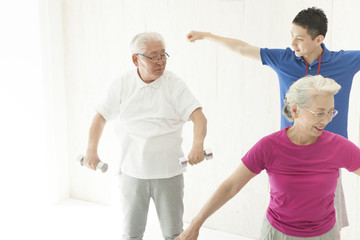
(138, 43)
(302, 91)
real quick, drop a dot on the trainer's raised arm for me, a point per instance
(235, 45)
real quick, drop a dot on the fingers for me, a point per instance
(188, 235)
(196, 158)
(190, 37)
(193, 36)
(91, 161)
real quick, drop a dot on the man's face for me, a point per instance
(302, 42)
(150, 70)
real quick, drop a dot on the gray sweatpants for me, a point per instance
(340, 207)
(167, 195)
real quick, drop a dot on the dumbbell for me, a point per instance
(208, 156)
(103, 167)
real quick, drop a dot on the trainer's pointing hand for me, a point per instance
(193, 36)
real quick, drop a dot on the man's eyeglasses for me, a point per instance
(322, 115)
(156, 58)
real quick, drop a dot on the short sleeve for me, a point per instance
(350, 159)
(254, 159)
(184, 101)
(353, 60)
(109, 106)
(271, 57)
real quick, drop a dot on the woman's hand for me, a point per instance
(191, 233)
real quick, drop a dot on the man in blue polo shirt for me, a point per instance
(307, 56)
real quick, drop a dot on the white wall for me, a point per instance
(24, 167)
(22, 140)
(240, 96)
(55, 98)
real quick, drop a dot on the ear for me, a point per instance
(135, 59)
(319, 39)
(294, 111)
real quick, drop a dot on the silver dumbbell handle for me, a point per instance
(208, 156)
(103, 167)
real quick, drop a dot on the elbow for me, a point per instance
(242, 50)
(230, 188)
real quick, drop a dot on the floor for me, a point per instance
(76, 219)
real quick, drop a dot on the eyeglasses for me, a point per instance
(322, 115)
(156, 58)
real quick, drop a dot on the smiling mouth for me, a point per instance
(319, 129)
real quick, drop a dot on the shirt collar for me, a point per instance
(142, 84)
(325, 57)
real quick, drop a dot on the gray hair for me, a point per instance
(138, 43)
(302, 91)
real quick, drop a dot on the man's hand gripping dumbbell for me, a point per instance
(208, 155)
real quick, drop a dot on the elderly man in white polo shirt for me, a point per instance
(149, 106)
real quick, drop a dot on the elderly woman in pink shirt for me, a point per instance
(302, 162)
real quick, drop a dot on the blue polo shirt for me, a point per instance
(340, 66)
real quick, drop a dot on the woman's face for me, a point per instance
(314, 118)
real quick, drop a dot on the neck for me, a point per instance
(144, 79)
(310, 58)
(147, 81)
(297, 136)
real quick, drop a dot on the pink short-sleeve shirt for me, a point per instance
(302, 179)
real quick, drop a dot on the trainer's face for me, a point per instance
(301, 41)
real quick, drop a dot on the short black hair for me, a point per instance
(314, 20)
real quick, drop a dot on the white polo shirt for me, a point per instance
(149, 120)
